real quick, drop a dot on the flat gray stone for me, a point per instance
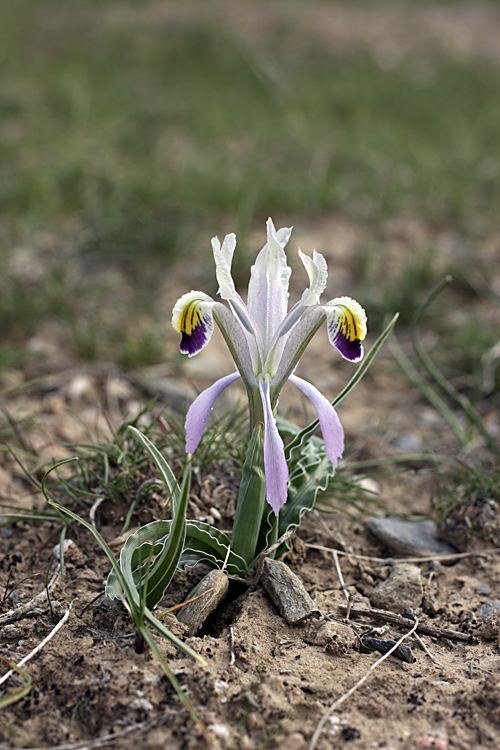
(211, 590)
(287, 592)
(482, 590)
(402, 590)
(489, 608)
(413, 538)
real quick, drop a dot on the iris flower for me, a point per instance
(266, 343)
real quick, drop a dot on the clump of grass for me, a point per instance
(135, 595)
(116, 469)
(474, 482)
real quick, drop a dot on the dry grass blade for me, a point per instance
(15, 695)
(107, 739)
(38, 648)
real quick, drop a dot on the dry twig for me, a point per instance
(405, 622)
(432, 558)
(231, 647)
(340, 576)
(108, 738)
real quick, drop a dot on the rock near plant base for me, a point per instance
(402, 590)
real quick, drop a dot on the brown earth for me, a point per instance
(89, 682)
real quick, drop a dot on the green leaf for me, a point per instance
(251, 503)
(307, 476)
(206, 544)
(20, 692)
(203, 544)
(166, 472)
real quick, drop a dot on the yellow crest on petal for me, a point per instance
(192, 317)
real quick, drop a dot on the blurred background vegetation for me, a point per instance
(132, 132)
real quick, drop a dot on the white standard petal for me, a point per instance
(283, 235)
(223, 256)
(331, 429)
(318, 274)
(274, 453)
(199, 411)
(317, 271)
(268, 287)
(192, 317)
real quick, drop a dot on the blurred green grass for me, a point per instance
(127, 137)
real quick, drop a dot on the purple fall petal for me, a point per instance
(193, 343)
(199, 411)
(350, 350)
(275, 465)
(333, 434)
(346, 325)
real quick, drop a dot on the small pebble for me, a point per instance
(483, 590)
(402, 590)
(214, 588)
(294, 741)
(408, 443)
(222, 732)
(287, 592)
(490, 626)
(139, 705)
(489, 608)
(335, 637)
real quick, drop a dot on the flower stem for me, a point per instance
(251, 499)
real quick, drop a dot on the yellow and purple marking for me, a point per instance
(194, 323)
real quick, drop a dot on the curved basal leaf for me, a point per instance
(210, 545)
(146, 563)
(203, 544)
(168, 476)
(307, 476)
(137, 553)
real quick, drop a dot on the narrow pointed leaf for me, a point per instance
(207, 544)
(166, 472)
(251, 499)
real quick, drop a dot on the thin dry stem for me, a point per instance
(231, 647)
(336, 704)
(38, 648)
(431, 558)
(107, 738)
(340, 576)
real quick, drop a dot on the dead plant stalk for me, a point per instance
(40, 646)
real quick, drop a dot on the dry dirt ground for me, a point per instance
(266, 684)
